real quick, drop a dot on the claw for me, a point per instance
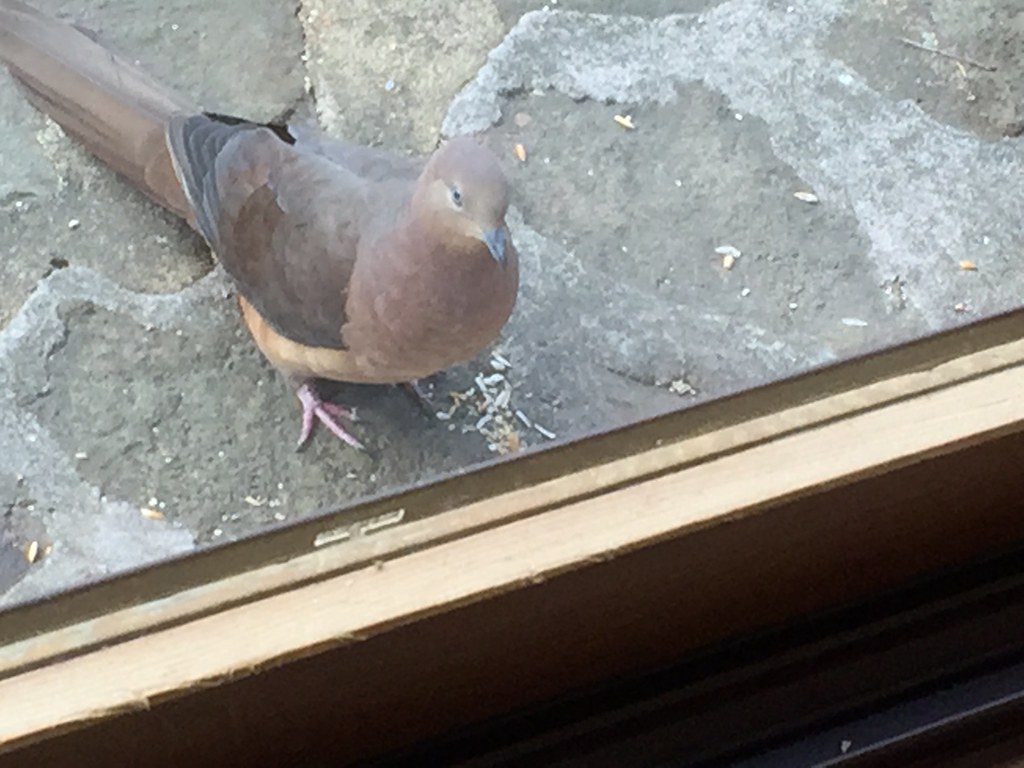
(340, 411)
(314, 408)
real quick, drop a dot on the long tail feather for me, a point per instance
(112, 107)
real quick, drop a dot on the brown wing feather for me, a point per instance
(284, 222)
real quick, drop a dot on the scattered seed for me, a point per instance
(854, 322)
(806, 197)
(523, 418)
(74, 224)
(442, 416)
(499, 363)
(960, 307)
(279, 516)
(483, 421)
(968, 266)
(520, 151)
(626, 121)
(152, 514)
(745, 292)
(503, 398)
(81, 455)
(546, 432)
(255, 501)
(681, 387)
(728, 261)
(728, 250)
(32, 552)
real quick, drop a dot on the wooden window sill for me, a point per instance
(373, 628)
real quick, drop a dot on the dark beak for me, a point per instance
(496, 241)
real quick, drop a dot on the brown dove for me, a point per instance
(351, 263)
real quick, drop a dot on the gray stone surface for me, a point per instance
(127, 383)
(989, 32)
(383, 71)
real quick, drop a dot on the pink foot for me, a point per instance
(313, 407)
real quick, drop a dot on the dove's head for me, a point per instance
(464, 193)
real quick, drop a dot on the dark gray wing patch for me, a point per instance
(195, 142)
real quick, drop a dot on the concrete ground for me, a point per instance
(137, 420)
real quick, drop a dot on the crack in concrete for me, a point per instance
(309, 88)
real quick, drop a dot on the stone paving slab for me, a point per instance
(137, 421)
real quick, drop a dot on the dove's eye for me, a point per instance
(456, 197)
